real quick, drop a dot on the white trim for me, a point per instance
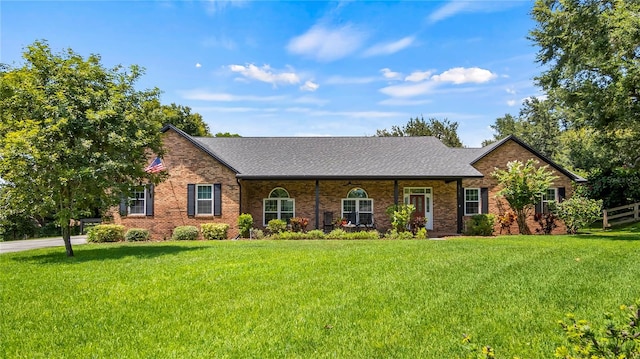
(479, 201)
(279, 212)
(357, 202)
(428, 199)
(134, 199)
(197, 200)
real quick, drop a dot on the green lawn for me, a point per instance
(310, 299)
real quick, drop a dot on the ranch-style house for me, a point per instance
(214, 179)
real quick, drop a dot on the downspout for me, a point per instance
(395, 192)
(460, 201)
(240, 196)
(317, 204)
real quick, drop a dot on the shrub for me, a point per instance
(245, 223)
(394, 234)
(289, 235)
(417, 223)
(214, 230)
(620, 338)
(400, 215)
(136, 235)
(337, 233)
(257, 234)
(299, 224)
(315, 234)
(422, 233)
(546, 222)
(480, 225)
(276, 226)
(578, 212)
(106, 233)
(185, 233)
(362, 235)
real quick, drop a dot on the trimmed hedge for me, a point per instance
(480, 225)
(137, 234)
(214, 230)
(106, 233)
(185, 233)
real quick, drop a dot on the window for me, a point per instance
(278, 206)
(551, 195)
(204, 199)
(471, 201)
(357, 208)
(137, 201)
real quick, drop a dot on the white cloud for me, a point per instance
(447, 10)
(309, 86)
(266, 74)
(219, 42)
(326, 44)
(198, 65)
(391, 75)
(390, 47)
(311, 100)
(510, 90)
(454, 7)
(418, 76)
(341, 80)
(403, 102)
(202, 95)
(461, 75)
(214, 6)
(511, 103)
(405, 90)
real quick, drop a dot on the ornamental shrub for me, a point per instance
(212, 231)
(337, 233)
(577, 212)
(256, 234)
(299, 224)
(315, 234)
(136, 235)
(394, 234)
(400, 216)
(245, 223)
(480, 225)
(276, 226)
(106, 233)
(185, 233)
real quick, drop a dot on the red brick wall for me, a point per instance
(498, 158)
(186, 164)
(332, 192)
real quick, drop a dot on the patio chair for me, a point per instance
(327, 222)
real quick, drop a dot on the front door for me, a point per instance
(420, 198)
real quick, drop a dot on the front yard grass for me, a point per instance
(312, 299)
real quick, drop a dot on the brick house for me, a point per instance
(325, 178)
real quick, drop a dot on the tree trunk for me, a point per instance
(521, 218)
(66, 236)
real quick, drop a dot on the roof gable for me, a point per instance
(484, 151)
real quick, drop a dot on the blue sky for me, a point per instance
(304, 68)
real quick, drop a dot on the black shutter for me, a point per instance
(149, 200)
(539, 206)
(123, 206)
(191, 200)
(562, 193)
(484, 200)
(217, 199)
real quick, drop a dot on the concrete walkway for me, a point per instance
(27, 244)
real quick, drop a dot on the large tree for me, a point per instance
(522, 186)
(590, 50)
(444, 130)
(73, 134)
(537, 124)
(182, 118)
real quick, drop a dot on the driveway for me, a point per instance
(24, 245)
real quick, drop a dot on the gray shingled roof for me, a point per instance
(339, 157)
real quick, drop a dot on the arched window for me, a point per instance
(278, 206)
(357, 208)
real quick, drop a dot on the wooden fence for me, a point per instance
(622, 214)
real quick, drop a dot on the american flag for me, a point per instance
(155, 166)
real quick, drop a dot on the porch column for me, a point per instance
(395, 192)
(317, 204)
(460, 193)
